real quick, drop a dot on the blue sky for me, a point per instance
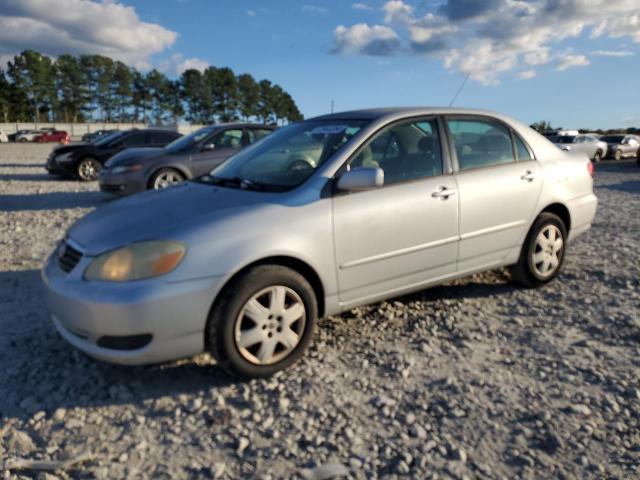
(572, 62)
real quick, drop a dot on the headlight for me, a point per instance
(126, 168)
(136, 261)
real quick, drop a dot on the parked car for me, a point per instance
(53, 136)
(85, 160)
(243, 261)
(139, 169)
(3, 137)
(622, 146)
(90, 137)
(27, 135)
(589, 144)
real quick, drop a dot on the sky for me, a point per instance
(571, 62)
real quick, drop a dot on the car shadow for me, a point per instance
(52, 201)
(42, 372)
(628, 187)
(22, 165)
(29, 177)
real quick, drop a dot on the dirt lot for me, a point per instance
(475, 379)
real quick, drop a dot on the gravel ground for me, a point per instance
(474, 379)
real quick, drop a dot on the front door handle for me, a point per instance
(444, 193)
(528, 176)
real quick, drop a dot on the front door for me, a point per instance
(216, 150)
(405, 234)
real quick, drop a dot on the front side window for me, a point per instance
(289, 156)
(191, 141)
(228, 139)
(480, 143)
(405, 151)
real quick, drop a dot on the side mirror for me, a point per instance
(208, 147)
(361, 179)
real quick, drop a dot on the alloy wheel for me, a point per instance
(548, 251)
(89, 169)
(166, 178)
(270, 325)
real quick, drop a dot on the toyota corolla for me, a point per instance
(242, 261)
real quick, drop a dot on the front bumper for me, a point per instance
(170, 315)
(56, 168)
(122, 183)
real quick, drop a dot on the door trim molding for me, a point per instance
(486, 231)
(396, 253)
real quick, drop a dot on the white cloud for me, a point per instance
(570, 61)
(613, 53)
(361, 6)
(527, 74)
(377, 40)
(490, 37)
(314, 9)
(251, 13)
(177, 63)
(81, 26)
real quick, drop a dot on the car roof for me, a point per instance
(399, 112)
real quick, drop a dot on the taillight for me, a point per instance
(590, 168)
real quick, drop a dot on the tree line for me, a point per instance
(87, 88)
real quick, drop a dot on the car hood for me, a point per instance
(161, 214)
(133, 155)
(72, 147)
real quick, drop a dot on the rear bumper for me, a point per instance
(582, 211)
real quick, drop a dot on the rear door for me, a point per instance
(217, 149)
(499, 183)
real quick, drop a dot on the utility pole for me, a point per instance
(332, 105)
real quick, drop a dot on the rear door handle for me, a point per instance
(444, 193)
(529, 176)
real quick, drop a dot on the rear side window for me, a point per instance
(256, 134)
(162, 138)
(481, 143)
(522, 151)
(134, 139)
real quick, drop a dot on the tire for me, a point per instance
(597, 158)
(617, 156)
(23, 140)
(88, 169)
(532, 269)
(230, 322)
(165, 177)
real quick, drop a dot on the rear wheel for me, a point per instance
(23, 140)
(542, 253)
(88, 169)
(618, 155)
(262, 322)
(165, 177)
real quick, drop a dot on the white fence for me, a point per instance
(76, 130)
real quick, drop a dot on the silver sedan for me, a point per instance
(591, 145)
(243, 261)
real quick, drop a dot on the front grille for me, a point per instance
(68, 257)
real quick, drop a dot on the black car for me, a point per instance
(139, 169)
(85, 160)
(91, 137)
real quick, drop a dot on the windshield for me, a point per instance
(104, 139)
(612, 138)
(286, 158)
(188, 141)
(565, 139)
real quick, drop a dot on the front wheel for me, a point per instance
(165, 177)
(262, 322)
(598, 156)
(542, 253)
(88, 169)
(618, 155)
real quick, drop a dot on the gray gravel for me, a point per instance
(475, 379)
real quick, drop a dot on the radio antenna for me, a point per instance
(455, 97)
